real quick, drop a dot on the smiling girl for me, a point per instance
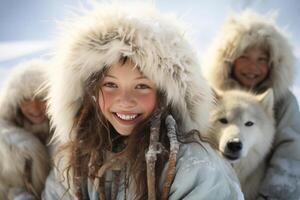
(126, 97)
(120, 73)
(253, 53)
(24, 131)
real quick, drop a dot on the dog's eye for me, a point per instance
(223, 120)
(249, 123)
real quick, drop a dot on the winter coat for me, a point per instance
(199, 176)
(282, 180)
(18, 149)
(157, 44)
(18, 145)
(25, 82)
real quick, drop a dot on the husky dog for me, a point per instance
(24, 161)
(243, 127)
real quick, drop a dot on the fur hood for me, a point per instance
(156, 43)
(23, 83)
(244, 30)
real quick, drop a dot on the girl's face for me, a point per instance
(251, 68)
(34, 110)
(126, 97)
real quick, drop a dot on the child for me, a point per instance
(20, 103)
(24, 131)
(120, 71)
(252, 53)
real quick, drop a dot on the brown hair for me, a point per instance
(95, 137)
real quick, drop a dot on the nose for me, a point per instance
(253, 66)
(37, 107)
(126, 99)
(234, 146)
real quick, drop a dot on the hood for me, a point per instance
(245, 30)
(156, 43)
(24, 82)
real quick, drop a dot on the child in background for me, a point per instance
(21, 102)
(252, 53)
(120, 73)
(24, 132)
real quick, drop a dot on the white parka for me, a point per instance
(25, 82)
(19, 147)
(247, 29)
(157, 44)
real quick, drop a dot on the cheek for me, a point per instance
(264, 69)
(27, 109)
(42, 107)
(237, 67)
(148, 102)
(105, 99)
(24, 109)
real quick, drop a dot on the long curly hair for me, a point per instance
(96, 138)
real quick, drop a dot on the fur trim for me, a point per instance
(24, 82)
(155, 42)
(240, 32)
(17, 146)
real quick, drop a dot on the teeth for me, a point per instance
(126, 117)
(251, 76)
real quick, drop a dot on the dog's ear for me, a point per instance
(218, 95)
(267, 100)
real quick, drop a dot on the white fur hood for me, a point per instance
(23, 83)
(244, 30)
(155, 42)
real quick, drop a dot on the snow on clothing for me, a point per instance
(157, 45)
(282, 180)
(18, 145)
(24, 83)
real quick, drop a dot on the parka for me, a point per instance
(25, 161)
(158, 45)
(25, 82)
(239, 32)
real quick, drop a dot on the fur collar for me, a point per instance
(156, 43)
(25, 82)
(240, 32)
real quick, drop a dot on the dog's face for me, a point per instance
(242, 122)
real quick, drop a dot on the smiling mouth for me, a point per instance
(251, 76)
(127, 117)
(36, 116)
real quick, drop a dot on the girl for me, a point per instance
(120, 71)
(252, 53)
(20, 103)
(24, 131)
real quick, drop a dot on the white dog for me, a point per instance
(243, 127)
(24, 158)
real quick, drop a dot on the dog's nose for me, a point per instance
(234, 146)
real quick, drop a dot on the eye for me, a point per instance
(249, 123)
(243, 57)
(110, 85)
(142, 86)
(263, 60)
(223, 121)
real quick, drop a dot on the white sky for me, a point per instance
(28, 27)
